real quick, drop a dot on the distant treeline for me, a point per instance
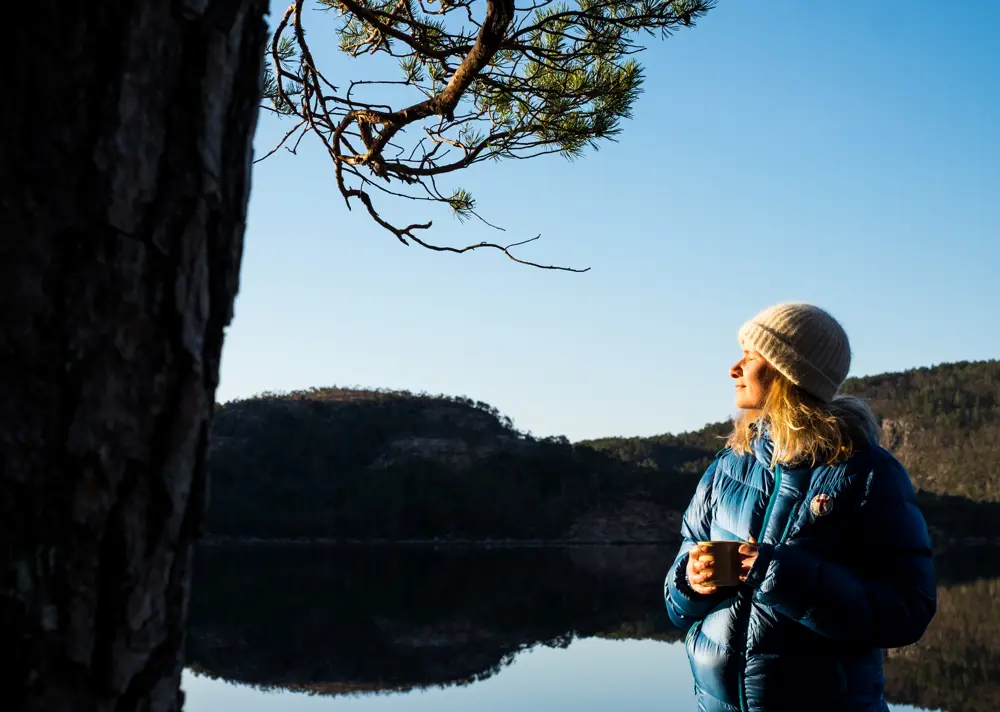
(331, 463)
(942, 422)
(354, 464)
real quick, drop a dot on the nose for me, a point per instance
(737, 370)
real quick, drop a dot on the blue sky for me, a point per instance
(844, 153)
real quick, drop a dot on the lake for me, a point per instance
(275, 628)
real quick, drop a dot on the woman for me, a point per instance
(836, 563)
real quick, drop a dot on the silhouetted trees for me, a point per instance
(339, 463)
(344, 463)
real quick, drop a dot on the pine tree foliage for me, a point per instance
(472, 81)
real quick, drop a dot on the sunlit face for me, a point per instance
(752, 374)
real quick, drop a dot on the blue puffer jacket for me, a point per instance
(837, 578)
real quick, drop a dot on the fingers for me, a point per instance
(749, 551)
(701, 581)
(746, 567)
(703, 577)
(747, 562)
(699, 572)
(701, 565)
(697, 575)
(699, 561)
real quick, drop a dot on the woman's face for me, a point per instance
(753, 376)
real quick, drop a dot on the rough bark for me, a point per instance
(125, 150)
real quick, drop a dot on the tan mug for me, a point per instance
(725, 554)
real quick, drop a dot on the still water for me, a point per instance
(590, 675)
(413, 629)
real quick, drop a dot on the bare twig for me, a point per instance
(282, 142)
(503, 248)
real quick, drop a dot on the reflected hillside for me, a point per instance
(956, 666)
(390, 618)
(337, 620)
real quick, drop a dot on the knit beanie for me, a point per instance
(804, 343)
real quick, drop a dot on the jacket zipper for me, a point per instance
(760, 536)
(770, 502)
(788, 525)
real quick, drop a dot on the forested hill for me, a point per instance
(353, 464)
(942, 422)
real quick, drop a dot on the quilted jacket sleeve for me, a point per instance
(684, 606)
(889, 608)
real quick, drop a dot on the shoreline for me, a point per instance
(209, 540)
(217, 541)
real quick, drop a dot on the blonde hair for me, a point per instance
(805, 430)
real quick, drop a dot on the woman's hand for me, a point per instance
(699, 573)
(748, 556)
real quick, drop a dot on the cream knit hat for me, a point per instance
(804, 343)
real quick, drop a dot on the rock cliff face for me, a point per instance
(896, 434)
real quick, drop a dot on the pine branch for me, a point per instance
(520, 82)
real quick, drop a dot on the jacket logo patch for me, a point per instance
(821, 505)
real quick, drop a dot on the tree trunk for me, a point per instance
(125, 149)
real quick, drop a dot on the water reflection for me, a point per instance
(579, 627)
(590, 675)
